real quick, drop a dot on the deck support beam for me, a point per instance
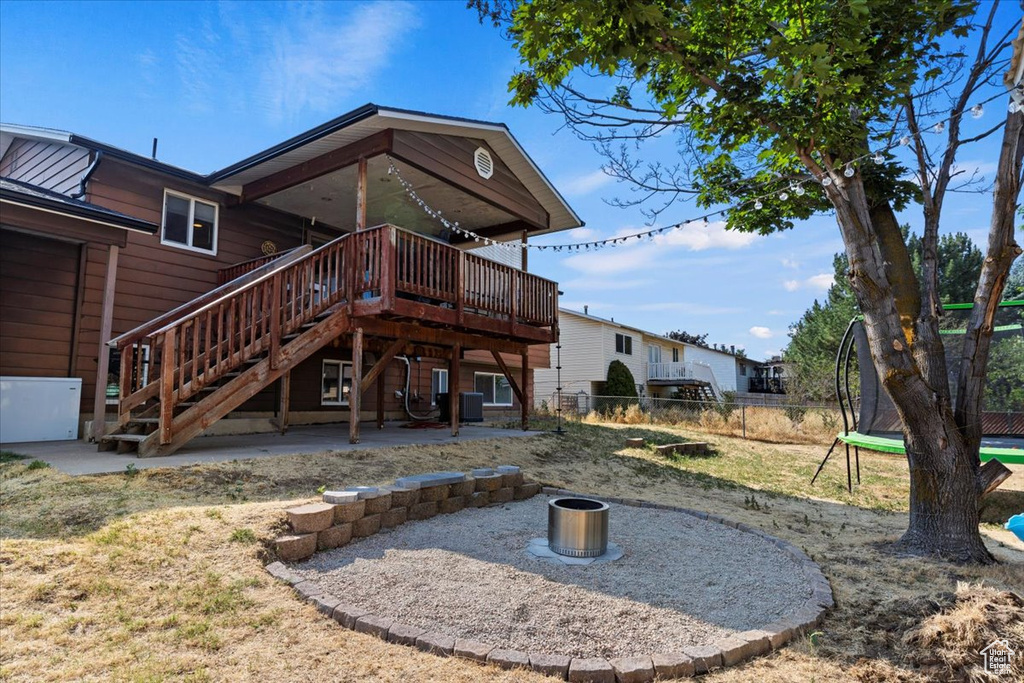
(453, 386)
(361, 195)
(99, 406)
(283, 399)
(526, 400)
(380, 401)
(356, 391)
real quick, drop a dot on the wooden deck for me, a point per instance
(189, 368)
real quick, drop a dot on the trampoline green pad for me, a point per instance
(1007, 456)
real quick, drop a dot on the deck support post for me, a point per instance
(284, 399)
(525, 399)
(356, 391)
(99, 406)
(453, 387)
(380, 401)
(361, 195)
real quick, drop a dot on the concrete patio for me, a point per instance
(81, 457)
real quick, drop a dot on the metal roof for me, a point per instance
(25, 194)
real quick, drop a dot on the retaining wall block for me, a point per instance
(509, 659)
(325, 604)
(733, 650)
(375, 506)
(472, 649)
(347, 615)
(367, 526)
(334, 537)
(592, 670)
(345, 513)
(436, 643)
(279, 571)
(489, 483)
(403, 634)
(311, 518)
(374, 625)
(295, 546)
(450, 505)
(422, 511)
(502, 495)
(510, 480)
(526, 491)
(634, 443)
(463, 489)
(401, 497)
(550, 665)
(760, 641)
(394, 517)
(705, 657)
(479, 499)
(673, 665)
(633, 669)
(433, 494)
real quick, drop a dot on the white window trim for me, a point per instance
(624, 338)
(341, 379)
(438, 371)
(191, 221)
(494, 389)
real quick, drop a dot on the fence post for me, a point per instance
(743, 414)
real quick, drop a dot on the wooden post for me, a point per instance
(99, 406)
(361, 195)
(525, 251)
(453, 387)
(380, 401)
(526, 391)
(356, 391)
(168, 358)
(284, 399)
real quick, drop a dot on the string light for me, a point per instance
(797, 186)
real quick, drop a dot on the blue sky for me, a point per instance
(216, 82)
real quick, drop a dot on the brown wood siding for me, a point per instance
(153, 278)
(38, 287)
(52, 165)
(539, 357)
(451, 159)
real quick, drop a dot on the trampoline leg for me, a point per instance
(856, 455)
(849, 475)
(822, 465)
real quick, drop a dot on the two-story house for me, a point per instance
(355, 271)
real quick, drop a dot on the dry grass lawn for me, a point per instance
(158, 575)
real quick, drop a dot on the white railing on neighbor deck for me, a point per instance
(688, 370)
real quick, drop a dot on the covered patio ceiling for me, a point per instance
(330, 200)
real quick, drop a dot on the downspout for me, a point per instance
(88, 174)
(405, 403)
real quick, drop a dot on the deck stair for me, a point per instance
(187, 369)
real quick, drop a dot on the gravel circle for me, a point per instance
(683, 581)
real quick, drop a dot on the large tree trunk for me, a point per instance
(943, 466)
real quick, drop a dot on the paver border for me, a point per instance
(729, 651)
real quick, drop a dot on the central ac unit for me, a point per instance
(471, 406)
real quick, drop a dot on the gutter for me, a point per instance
(82, 213)
(88, 174)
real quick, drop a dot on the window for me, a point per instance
(743, 370)
(675, 355)
(653, 353)
(189, 223)
(438, 384)
(495, 388)
(336, 384)
(624, 344)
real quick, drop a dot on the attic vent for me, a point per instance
(483, 162)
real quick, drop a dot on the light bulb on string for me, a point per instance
(799, 190)
(826, 180)
(977, 111)
(783, 196)
(878, 158)
(939, 127)
(848, 171)
(905, 140)
(1014, 107)
(758, 205)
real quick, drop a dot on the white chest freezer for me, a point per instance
(39, 408)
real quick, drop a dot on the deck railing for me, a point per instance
(228, 274)
(684, 371)
(365, 271)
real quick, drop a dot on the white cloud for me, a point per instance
(314, 61)
(584, 184)
(821, 282)
(761, 332)
(699, 236)
(687, 307)
(602, 284)
(582, 234)
(789, 263)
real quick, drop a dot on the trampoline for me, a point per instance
(870, 419)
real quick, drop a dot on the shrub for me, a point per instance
(620, 380)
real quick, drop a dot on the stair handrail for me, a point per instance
(159, 323)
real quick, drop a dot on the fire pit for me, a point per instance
(578, 527)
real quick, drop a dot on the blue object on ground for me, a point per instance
(1016, 525)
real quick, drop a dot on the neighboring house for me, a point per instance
(263, 291)
(662, 367)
